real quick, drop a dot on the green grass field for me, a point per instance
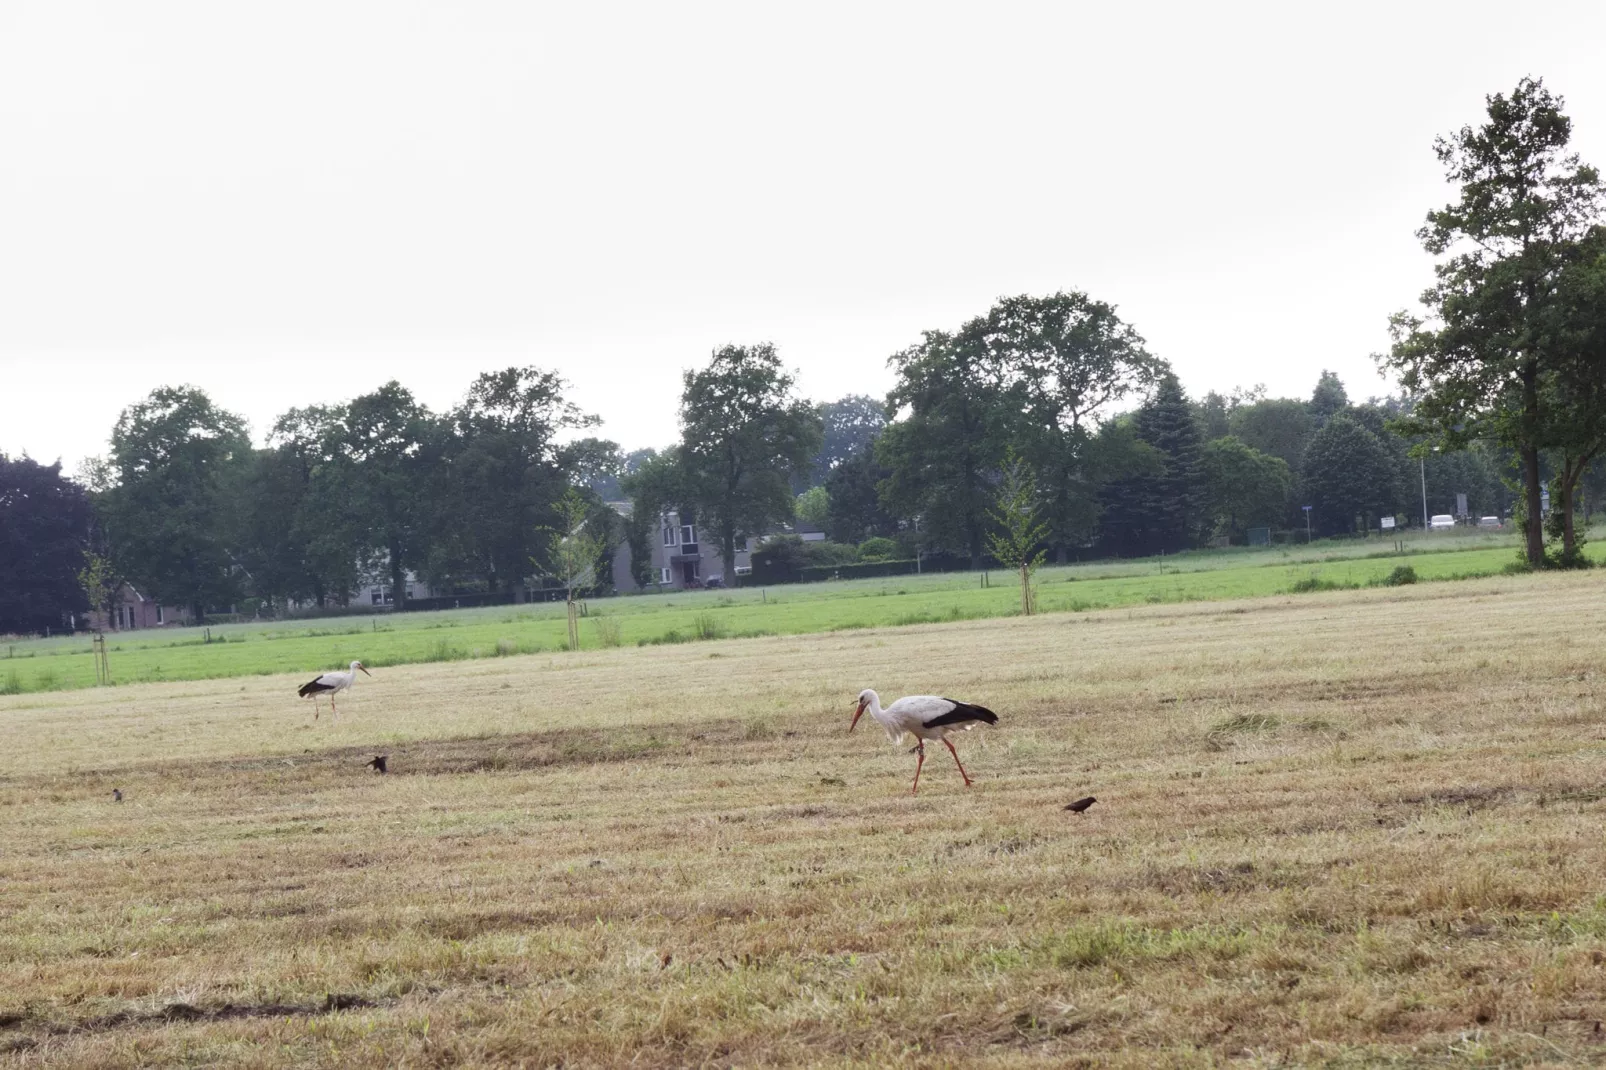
(158, 655)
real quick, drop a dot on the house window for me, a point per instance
(688, 533)
(663, 575)
(671, 534)
(158, 613)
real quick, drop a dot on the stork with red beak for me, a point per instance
(331, 683)
(924, 717)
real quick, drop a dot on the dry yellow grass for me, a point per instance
(1334, 829)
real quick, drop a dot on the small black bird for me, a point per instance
(379, 762)
(117, 795)
(1081, 804)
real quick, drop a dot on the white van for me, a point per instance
(1443, 520)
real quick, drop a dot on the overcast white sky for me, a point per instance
(291, 203)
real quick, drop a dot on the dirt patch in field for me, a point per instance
(172, 1013)
(430, 757)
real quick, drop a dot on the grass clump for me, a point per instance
(708, 626)
(608, 631)
(1401, 576)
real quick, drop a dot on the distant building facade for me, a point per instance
(131, 610)
(681, 558)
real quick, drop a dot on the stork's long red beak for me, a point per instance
(856, 714)
(365, 672)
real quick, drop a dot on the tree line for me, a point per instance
(1053, 401)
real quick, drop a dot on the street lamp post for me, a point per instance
(1307, 523)
(1422, 461)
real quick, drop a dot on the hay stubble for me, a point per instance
(1357, 826)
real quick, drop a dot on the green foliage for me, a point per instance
(178, 462)
(507, 479)
(1243, 487)
(1328, 399)
(1160, 512)
(1018, 542)
(744, 434)
(941, 455)
(850, 427)
(814, 507)
(1497, 329)
(1347, 473)
(1401, 576)
(387, 464)
(852, 490)
(1280, 427)
(578, 544)
(44, 528)
(878, 549)
(1061, 363)
(778, 559)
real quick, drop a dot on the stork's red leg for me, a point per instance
(918, 763)
(957, 762)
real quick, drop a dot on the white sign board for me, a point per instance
(1387, 522)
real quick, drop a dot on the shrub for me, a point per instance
(1402, 575)
(878, 549)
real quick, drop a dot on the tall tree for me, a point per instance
(1329, 398)
(744, 434)
(1477, 366)
(1347, 474)
(177, 461)
(945, 452)
(1574, 385)
(1279, 426)
(1161, 512)
(1061, 362)
(389, 451)
(855, 512)
(309, 529)
(850, 425)
(1243, 487)
(509, 473)
(44, 535)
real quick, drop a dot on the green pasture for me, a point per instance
(304, 646)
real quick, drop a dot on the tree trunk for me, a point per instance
(727, 549)
(1530, 495)
(199, 612)
(1530, 463)
(398, 586)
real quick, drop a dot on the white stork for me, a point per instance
(330, 683)
(924, 717)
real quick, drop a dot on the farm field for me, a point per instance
(1340, 828)
(155, 655)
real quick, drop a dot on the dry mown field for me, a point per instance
(1342, 829)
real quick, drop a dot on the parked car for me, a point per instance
(1488, 522)
(1442, 520)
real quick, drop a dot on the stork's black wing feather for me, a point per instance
(961, 713)
(312, 687)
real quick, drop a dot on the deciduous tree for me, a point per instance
(44, 535)
(1477, 365)
(178, 463)
(744, 434)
